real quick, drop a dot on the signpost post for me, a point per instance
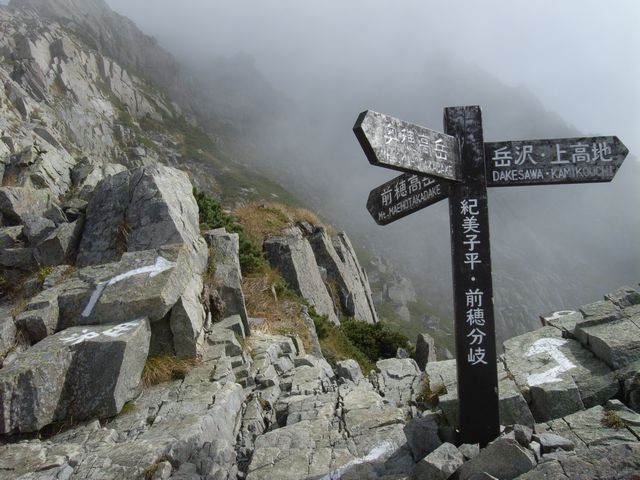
(459, 165)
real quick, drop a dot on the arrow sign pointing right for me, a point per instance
(404, 195)
(556, 161)
(398, 145)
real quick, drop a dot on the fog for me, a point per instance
(580, 58)
(296, 74)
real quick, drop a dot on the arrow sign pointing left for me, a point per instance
(399, 145)
(161, 265)
(404, 195)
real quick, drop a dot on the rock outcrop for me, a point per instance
(324, 271)
(338, 259)
(292, 256)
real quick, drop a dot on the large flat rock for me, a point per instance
(619, 461)
(556, 375)
(611, 328)
(589, 428)
(80, 372)
(512, 406)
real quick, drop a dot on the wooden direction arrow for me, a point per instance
(392, 143)
(404, 195)
(545, 162)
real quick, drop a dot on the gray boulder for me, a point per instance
(563, 320)
(630, 380)
(349, 370)
(557, 375)
(87, 174)
(36, 228)
(61, 245)
(316, 349)
(8, 332)
(343, 269)
(51, 169)
(399, 380)
(422, 436)
(621, 461)
(80, 372)
(613, 333)
(9, 236)
(20, 258)
(512, 405)
(591, 427)
(550, 442)
(139, 210)
(425, 350)
(188, 321)
(439, 464)
(293, 257)
(225, 249)
(504, 458)
(17, 202)
(41, 316)
(624, 297)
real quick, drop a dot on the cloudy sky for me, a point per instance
(580, 57)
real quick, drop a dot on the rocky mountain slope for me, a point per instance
(128, 342)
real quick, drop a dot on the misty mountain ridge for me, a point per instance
(545, 254)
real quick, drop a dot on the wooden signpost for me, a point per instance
(461, 168)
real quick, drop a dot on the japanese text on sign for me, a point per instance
(403, 188)
(475, 308)
(577, 153)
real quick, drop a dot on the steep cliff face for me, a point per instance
(64, 96)
(113, 35)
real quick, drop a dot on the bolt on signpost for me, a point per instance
(458, 164)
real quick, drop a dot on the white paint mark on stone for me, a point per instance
(550, 346)
(161, 265)
(86, 334)
(374, 454)
(559, 315)
(77, 338)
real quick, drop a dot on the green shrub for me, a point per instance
(375, 340)
(43, 272)
(212, 216)
(335, 345)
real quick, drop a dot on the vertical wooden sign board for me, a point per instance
(472, 285)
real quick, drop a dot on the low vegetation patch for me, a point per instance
(164, 368)
(430, 394)
(43, 272)
(128, 407)
(213, 216)
(612, 420)
(336, 346)
(267, 296)
(262, 220)
(375, 340)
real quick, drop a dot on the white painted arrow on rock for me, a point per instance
(550, 346)
(161, 265)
